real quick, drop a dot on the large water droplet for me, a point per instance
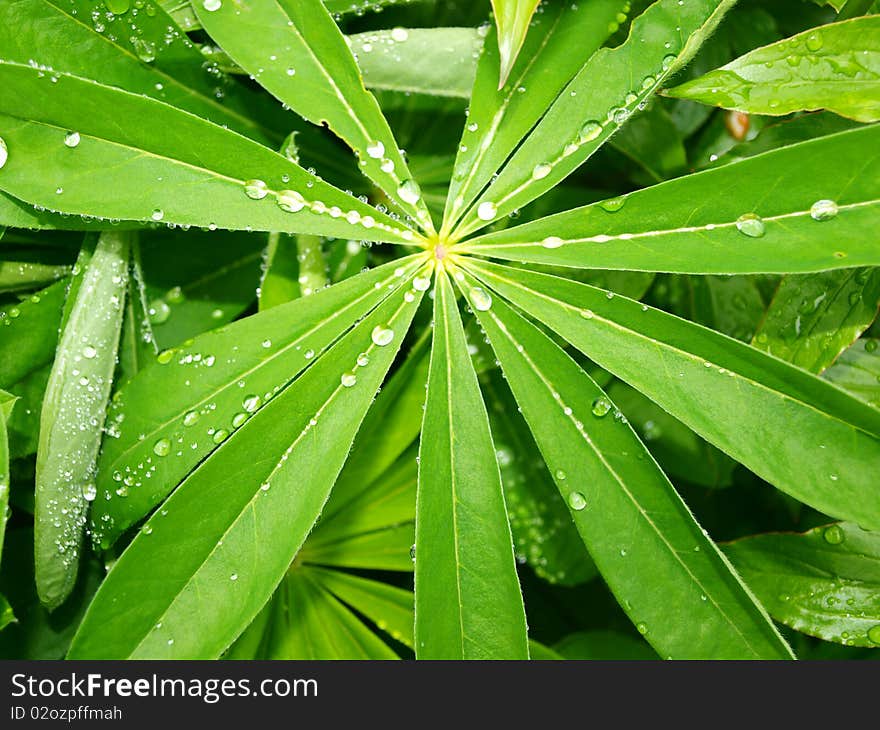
(256, 189)
(4, 152)
(833, 535)
(409, 192)
(291, 201)
(421, 283)
(601, 407)
(751, 225)
(71, 139)
(89, 352)
(487, 211)
(376, 150)
(589, 132)
(814, 41)
(348, 380)
(874, 634)
(159, 311)
(541, 171)
(399, 34)
(162, 447)
(552, 242)
(251, 403)
(612, 205)
(382, 335)
(191, 418)
(481, 300)
(220, 435)
(89, 492)
(577, 501)
(823, 210)
(211, 5)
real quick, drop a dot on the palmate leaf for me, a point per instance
(599, 99)
(219, 381)
(435, 61)
(147, 59)
(72, 418)
(641, 535)
(512, 19)
(719, 387)
(266, 487)
(835, 67)
(807, 207)
(468, 601)
(825, 582)
(562, 38)
(296, 52)
(814, 318)
(180, 169)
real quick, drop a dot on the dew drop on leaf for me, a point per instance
(601, 407)
(552, 242)
(487, 211)
(211, 5)
(589, 131)
(541, 171)
(256, 189)
(376, 150)
(348, 380)
(157, 214)
(823, 210)
(751, 225)
(159, 311)
(577, 501)
(191, 418)
(162, 447)
(409, 191)
(612, 205)
(291, 201)
(251, 403)
(382, 335)
(833, 535)
(480, 299)
(874, 634)
(220, 435)
(89, 492)
(89, 352)
(71, 139)
(4, 152)
(421, 283)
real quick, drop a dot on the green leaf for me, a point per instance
(72, 419)
(814, 318)
(825, 582)
(719, 387)
(7, 404)
(639, 532)
(512, 19)
(141, 53)
(834, 67)
(600, 98)
(562, 38)
(468, 601)
(7, 615)
(434, 61)
(150, 449)
(603, 645)
(297, 53)
(24, 275)
(310, 623)
(180, 169)
(266, 486)
(695, 224)
(544, 535)
(858, 371)
(390, 608)
(387, 549)
(280, 282)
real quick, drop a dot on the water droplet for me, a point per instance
(234, 576)
(587, 313)
(4, 152)
(71, 139)
(159, 311)
(823, 210)
(642, 628)
(89, 492)
(577, 501)
(473, 127)
(238, 420)
(363, 360)
(487, 211)
(552, 242)
(89, 352)
(162, 447)
(220, 435)
(291, 201)
(601, 407)
(191, 418)
(589, 132)
(266, 344)
(421, 283)
(256, 189)
(814, 41)
(145, 50)
(309, 354)
(481, 300)
(399, 34)
(382, 335)
(541, 171)
(560, 475)
(251, 403)
(612, 205)
(348, 380)
(874, 634)
(833, 535)
(409, 191)
(376, 150)
(211, 5)
(157, 214)
(751, 225)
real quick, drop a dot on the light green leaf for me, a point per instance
(639, 532)
(150, 449)
(180, 169)
(600, 98)
(7, 404)
(858, 371)
(266, 486)
(390, 608)
(387, 549)
(434, 61)
(72, 419)
(24, 275)
(814, 318)
(512, 19)
(719, 387)
(825, 582)
(834, 67)
(141, 52)
(310, 623)
(297, 53)
(468, 601)
(563, 36)
(817, 207)
(280, 278)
